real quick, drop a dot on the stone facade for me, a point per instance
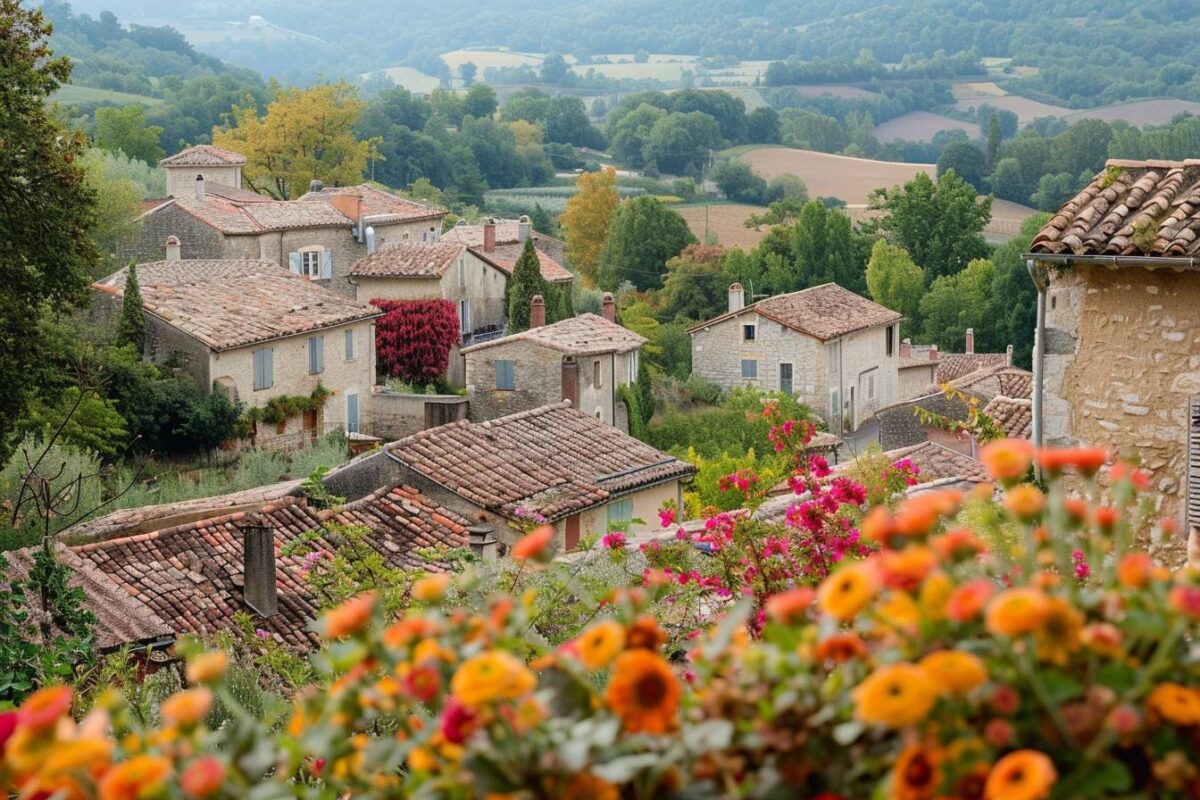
(899, 425)
(914, 379)
(181, 180)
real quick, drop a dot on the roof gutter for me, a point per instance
(1147, 262)
(1038, 275)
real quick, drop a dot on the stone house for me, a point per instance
(473, 277)
(916, 371)
(1118, 348)
(255, 332)
(556, 463)
(318, 236)
(585, 359)
(834, 350)
(507, 232)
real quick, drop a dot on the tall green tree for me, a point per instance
(957, 302)
(993, 141)
(643, 236)
(131, 328)
(967, 160)
(525, 282)
(47, 209)
(125, 130)
(480, 101)
(895, 281)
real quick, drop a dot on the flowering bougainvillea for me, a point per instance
(413, 338)
(933, 666)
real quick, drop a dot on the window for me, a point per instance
(785, 378)
(462, 272)
(351, 412)
(310, 264)
(620, 514)
(833, 357)
(264, 369)
(749, 368)
(871, 387)
(596, 377)
(464, 317)
(316, 354)
(1193, 463)
(891, 339)
(633, 366)
(349, 345)
(748, 333)
(506, 377)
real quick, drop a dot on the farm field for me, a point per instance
(1139, 112)
(410, 78)
(976, 89)
(70, 93)
(725, 220)
(1026, 110)
(653, 70)
(749, 95)
(921, 126)
(489, 58)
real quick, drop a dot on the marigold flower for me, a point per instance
(917, 773)
(643, 692)
(186, 708)
(1102, 637)
(1021, 775)
(645, 633)
(586, 786)
(1176, 704)
(847, 592)
(899, 611)
(1087, 460)
(954, 671)
(935, 594)
(919, 515)
(431, 588)
(420, 759)
(1185, 600)
(79, 756)
(600, 644)
(1024, 501)
(207, 667)
(896, 695)
(957, 544)
(1015, 612)
(1106, 518)
(140, 776)
(350, 617)
(1134, 570)
(1058, 636)
(423, 682)
(535, 545)
(494, 675)
(42, 709)
(878, 525)
(1008, 459)
(203, 777)
(906, 569)
(840, 648)
(967, 601)
(788, 607)
(407, 630)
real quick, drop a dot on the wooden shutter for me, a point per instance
(1193, 467)
(505, 375)
(349, 345)
(268, 368)
(327, 264)
(294, 263)
(316, 354)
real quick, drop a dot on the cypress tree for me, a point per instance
(526, 281)
(132, 327)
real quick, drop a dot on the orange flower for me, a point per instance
(431, 588)
(847, 592)
(535, 545)
(954, 670)
(1015, 612)
(1077, 509)
(186, 708)
(1176, 704)
(878, 525)
(906, 569)
(601, 643)
(896, 695)
(1024, 501)
(1008, 459)
(350, 617)
(1087, 460)
(1021, 775)
(408, 630)
(899, 611)
(788, 607)
(203, 777)
(42, 709)
(1103, 638)
(956, 544)
(917, 773)
(140, 776)
(1185, 600)
(967, 601)
(841, 647)
(1106, 518)
(207, 667)
(1134, 570)
(645, 633)
(1123, 470)
(643, 692)
(494, 675)
(1059, 634)
(919, 515)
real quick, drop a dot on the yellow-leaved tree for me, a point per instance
(586, 219)
(306, 134)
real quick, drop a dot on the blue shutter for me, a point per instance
(269, 369)
(506, 375)
(294, 262)
(351, 412)
(350, 345)
(316, 354)
(263, 369)
(327, 264)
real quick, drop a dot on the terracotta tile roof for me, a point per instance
(555, 460)
(378, 203)
(1141, 208)
(229, 304)
(121, 618)
(192, 575)
(584, 335)
(1014, 415)
(824, 312)
(507, 232)
(204, 155)
(952, 366)
(235, 194)
(987, 383)
(240, 216)
(908, 362)
(409, 260)
(504, 258)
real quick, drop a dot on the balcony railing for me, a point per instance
(480, 335)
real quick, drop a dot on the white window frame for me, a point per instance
(597, 375)
(619, 514)
(464, 316)
(310, 264)
(792, 379)
(633, 366)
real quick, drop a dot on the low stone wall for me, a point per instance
(392, 416)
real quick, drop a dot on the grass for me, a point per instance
(70, 94)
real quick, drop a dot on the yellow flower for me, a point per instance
(431, 588)
(896, 695)
(1059, 634)
(1176, 704)
(1025, 501)
(600, 644)
(207, 667)
(1015, 612)
(900, 611)
(80, 755)
(916, 774)
(954, 670)
(847, 592)
(1023, 775)
(935, 594)
(494, 675)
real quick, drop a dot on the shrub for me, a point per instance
(414, 338)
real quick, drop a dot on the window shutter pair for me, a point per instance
(316, 354)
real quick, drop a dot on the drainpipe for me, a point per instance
(1039, 351)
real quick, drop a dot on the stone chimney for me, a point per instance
(258, 570)
(933, 354)
(737, 297)
(970, 341)
(570, 380)
(537, 312)
(173, 246)
(483, 543)
(349, 204)
(200, 193)
(905, 348)
(523, 228)
(609, 307)
(315, 185)
(489, 235)
(1008, 355)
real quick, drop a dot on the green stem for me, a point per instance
(1039, 691)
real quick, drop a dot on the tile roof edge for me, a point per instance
(146, 536)
(375, 314)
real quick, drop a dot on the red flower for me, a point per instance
(8, 724)
(458, 722)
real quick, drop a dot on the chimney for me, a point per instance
(200, 193)
(523, 227)
(933, 352)
(609, 306)
(370, 236)
(1008, 355)
(315, 185)
(905, 348)
(483, 543)
(970, 341)
(489, 235)
(537, 312)
(737, 297)
(570, 380)
(349, 204)
(258, 569)
(173, 253)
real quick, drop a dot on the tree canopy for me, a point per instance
(643, 236)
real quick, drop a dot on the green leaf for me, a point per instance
(1059, 687)
(1118, 677)
(1112, 776)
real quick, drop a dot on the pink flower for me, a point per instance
(666, 517)
(1082, 569)
(613, 541)
(818, 466)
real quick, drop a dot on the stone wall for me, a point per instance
(866, 366)
(394, 416)
(148, 242)
(599, 398)
(913, 381)
(181, 181)
(538, 379)
(899, 425)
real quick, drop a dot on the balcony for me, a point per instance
(484, 334)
